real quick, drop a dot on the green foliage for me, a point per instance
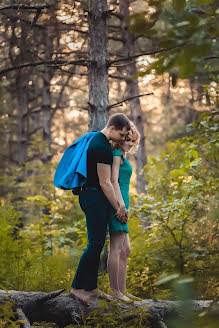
(179, 4)
(7, 316)
(179, 215)
(188, 29)
(43, 230)
(113, 315)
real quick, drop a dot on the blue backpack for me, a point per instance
(71, 172)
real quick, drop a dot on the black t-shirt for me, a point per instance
(99, 151)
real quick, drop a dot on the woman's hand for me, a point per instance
(122, 213)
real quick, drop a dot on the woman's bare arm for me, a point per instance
(115, 179)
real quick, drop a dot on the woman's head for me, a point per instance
(131, 142)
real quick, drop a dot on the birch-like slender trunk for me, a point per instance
(133, 90)
(98, 66)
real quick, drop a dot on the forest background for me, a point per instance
(156, 62)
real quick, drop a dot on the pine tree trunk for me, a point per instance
(22, 79)
(98, 67)
(133, 90)
(64, 310)
(46, 103)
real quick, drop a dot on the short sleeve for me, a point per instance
(117, 152)
(103, 155)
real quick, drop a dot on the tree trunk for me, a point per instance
(133, 90)
(22, 79)
(65, 309)
(98, 66)
(46, 102)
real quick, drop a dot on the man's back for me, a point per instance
(99, 151)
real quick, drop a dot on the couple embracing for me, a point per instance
(105, 200)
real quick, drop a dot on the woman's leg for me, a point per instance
(123, 263)
(116, 244)
(123, 268)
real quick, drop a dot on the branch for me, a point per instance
(117, 15)
(38, 13)
(152, 52)
(25, 7)
(122, 101)
(50, 296)
(114, 38)
(211, 57)
(14, 19)
(54, 63)
(34, 130)
(24, 322)
(118, 77)
(60, 95)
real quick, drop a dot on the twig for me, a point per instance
(34, 130)
(152, 52)
(25, 7)
(120, 102)
(61, 94)
(211, 57)
(47, 62)
(117, 77)
(123, 65)
(38, 13)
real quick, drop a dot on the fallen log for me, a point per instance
(64, 309)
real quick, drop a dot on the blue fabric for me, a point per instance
(71, 171)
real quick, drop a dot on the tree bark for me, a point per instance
(98, 67)
(22, 79)
(132, 91)
(46, 101)
(65, 309)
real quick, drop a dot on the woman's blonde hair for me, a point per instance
(133, 134)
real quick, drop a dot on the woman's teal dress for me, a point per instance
(125, 173)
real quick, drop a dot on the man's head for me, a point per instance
(118, 126)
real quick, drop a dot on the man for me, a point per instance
(95, 200)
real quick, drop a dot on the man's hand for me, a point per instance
(122, 214)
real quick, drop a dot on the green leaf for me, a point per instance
(198, 50)
(176, 173)
(37, 197)
(167, 279)
(204, 2)
(187, 69)
(179, 4)
(184, 23)
(194, 153)
(185, 281)
(189, 127)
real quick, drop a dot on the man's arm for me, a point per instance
(104, 174)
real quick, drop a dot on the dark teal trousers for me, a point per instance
(96, 208)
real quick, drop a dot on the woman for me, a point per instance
(119, 238)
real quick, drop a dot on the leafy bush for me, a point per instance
(179, 214)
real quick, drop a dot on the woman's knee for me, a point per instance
(115, 250)
(125, 251)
